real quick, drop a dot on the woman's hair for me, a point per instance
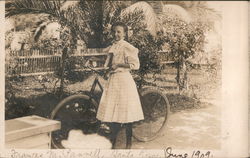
(125, 28)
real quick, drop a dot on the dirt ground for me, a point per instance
(198, 128)
(187, 129)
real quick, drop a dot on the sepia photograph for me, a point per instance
(105, 74)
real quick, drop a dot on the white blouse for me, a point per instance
(125, 53)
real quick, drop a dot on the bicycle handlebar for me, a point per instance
(98, 71)
(104, 69)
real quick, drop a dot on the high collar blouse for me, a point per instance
(125, 53)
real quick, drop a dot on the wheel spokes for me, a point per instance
(155, 113)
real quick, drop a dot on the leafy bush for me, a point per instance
(183, 41)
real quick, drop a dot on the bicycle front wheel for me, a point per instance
(156, 109)
(74, 112)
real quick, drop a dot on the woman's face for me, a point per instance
(119, 33)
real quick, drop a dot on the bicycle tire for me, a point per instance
(67, 110)
(142, 126)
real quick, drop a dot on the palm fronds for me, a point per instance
(148, 15)
(20, 7)
(201, 10)
(87, 20)
(198, 9)
(39, 30)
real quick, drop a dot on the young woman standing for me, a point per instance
(120, 103)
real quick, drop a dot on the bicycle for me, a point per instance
(79, 111)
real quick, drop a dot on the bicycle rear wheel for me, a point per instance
(74, 112)
(156, 109)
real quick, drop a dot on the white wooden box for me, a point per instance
(30, 132)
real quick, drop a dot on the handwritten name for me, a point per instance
(52, 154)
(15, 154)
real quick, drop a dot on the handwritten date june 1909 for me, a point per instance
(195, 154)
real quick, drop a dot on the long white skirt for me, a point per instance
(120, 101)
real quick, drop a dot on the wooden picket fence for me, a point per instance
(44, 61)
(33, 62)
(40, 61)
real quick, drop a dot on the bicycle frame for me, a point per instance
(96, 83)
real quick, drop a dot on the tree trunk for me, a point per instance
(182, 75)
(64, 54)
(185, 76)
(96, 40)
